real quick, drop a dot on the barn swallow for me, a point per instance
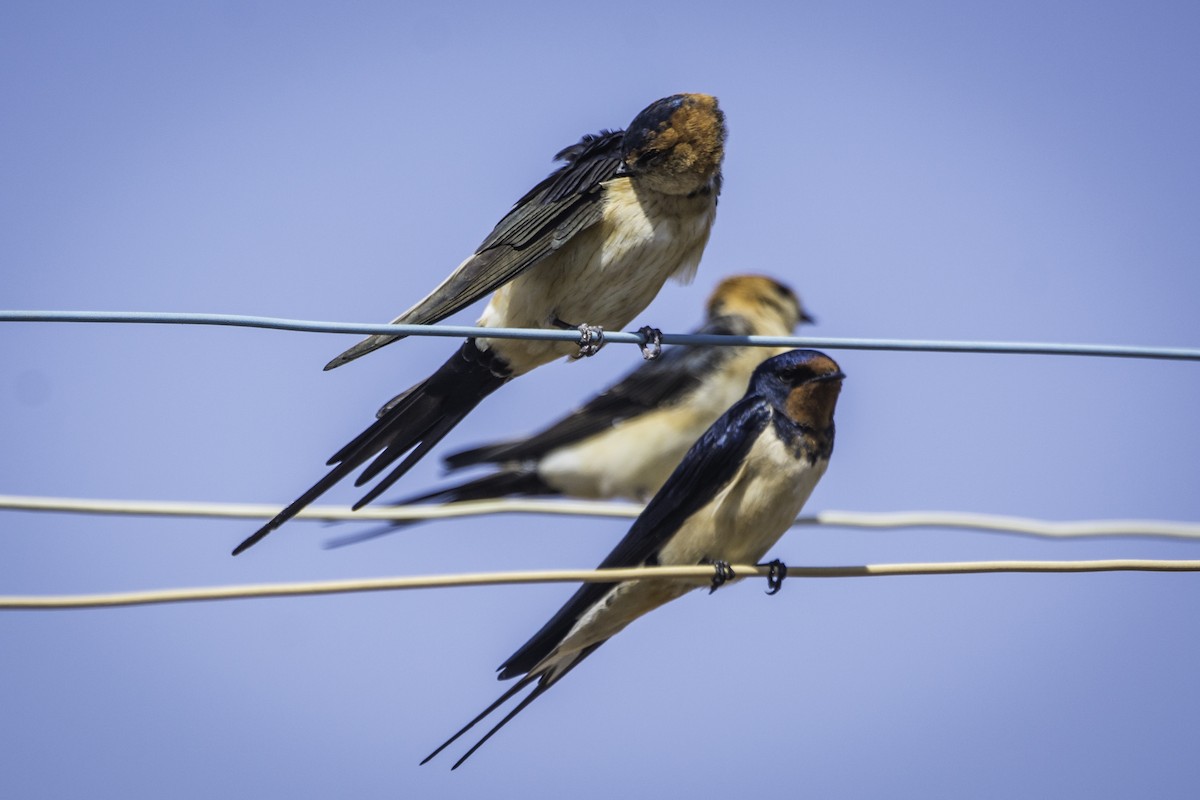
(591, 245)
(626, 441)
(736, 491)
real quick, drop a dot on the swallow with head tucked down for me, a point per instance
(626, 441)
(591, 245)
(736, 491)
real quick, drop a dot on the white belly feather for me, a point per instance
(751, 512)
(606, 275)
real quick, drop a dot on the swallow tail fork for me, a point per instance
(410, 425)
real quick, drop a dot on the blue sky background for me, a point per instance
(1027, 171)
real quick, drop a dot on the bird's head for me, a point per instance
(768, 304)
(675, 145)
(804, 384)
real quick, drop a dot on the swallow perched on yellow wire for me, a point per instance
(736, 491)
(588, 247)
(626, 441)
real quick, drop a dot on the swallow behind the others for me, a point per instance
(591, 245)
(736, 491)
(626, 441)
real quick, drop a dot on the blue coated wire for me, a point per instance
(622, 337)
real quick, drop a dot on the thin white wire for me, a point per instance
(702, 575)
(328, 513)
(314, 326)
(841, 519)
(1009, 524)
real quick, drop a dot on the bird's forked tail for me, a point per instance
(408, 426)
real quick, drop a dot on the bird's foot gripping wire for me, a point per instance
(591, 339)
(776, 572)
(723, 573)
(651, 342)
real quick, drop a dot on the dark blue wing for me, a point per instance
(547, 217)
(711, 463)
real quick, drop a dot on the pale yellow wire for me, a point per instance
(844, 519)
(702, 574)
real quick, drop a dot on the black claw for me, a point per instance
(651, 342)
(591, 339)
(777, 571)
(722, 573)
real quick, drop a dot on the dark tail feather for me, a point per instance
(512, 482)
(518, 482)
(501, 700)
(537, 692)
(544, 683)
(416, 420)
(487, 454)
(427, 440)
(318, 489)
(367, 535)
